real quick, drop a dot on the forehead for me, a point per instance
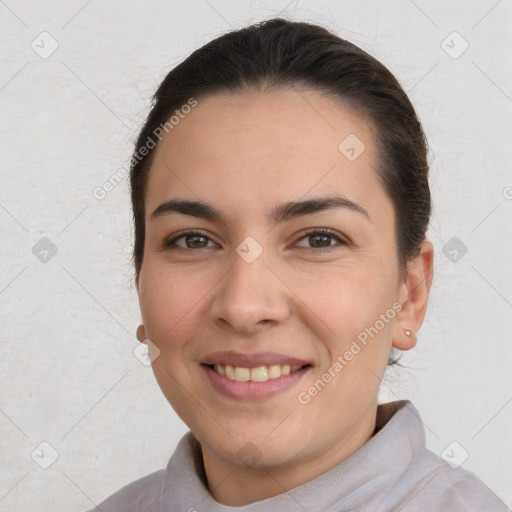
(256, 147)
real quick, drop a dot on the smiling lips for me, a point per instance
(258, 373)
(252, 376)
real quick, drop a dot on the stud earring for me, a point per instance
(407, 332)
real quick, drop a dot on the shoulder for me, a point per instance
(142, 495)
(418, 478)
(148, 494)
(443, 487)
(466, 489)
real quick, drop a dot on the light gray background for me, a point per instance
(69, 377)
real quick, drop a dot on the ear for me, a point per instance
(141, 333)
(413, 297)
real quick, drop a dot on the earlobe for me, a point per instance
(141, 333)
(404, 340)
(414, 294)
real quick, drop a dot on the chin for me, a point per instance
(252, 450)
(254, 455)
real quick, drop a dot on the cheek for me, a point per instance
(169, 300)
(349, 303)
(348, 297)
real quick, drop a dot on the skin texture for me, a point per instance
(306, 297)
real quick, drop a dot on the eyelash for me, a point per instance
(171, 244)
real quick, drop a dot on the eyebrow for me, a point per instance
(281, 213)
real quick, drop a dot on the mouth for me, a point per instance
(257, 373)
(253, 376)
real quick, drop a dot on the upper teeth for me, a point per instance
(259, 373)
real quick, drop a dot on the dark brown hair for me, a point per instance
(279, 53)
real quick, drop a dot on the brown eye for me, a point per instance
(322, 239)
(195, 241)
(189, 240)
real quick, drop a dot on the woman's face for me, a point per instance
(258, 289)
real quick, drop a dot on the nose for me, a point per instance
(250, 297)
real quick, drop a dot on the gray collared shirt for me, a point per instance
(393, 471)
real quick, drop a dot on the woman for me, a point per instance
(281, 202)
